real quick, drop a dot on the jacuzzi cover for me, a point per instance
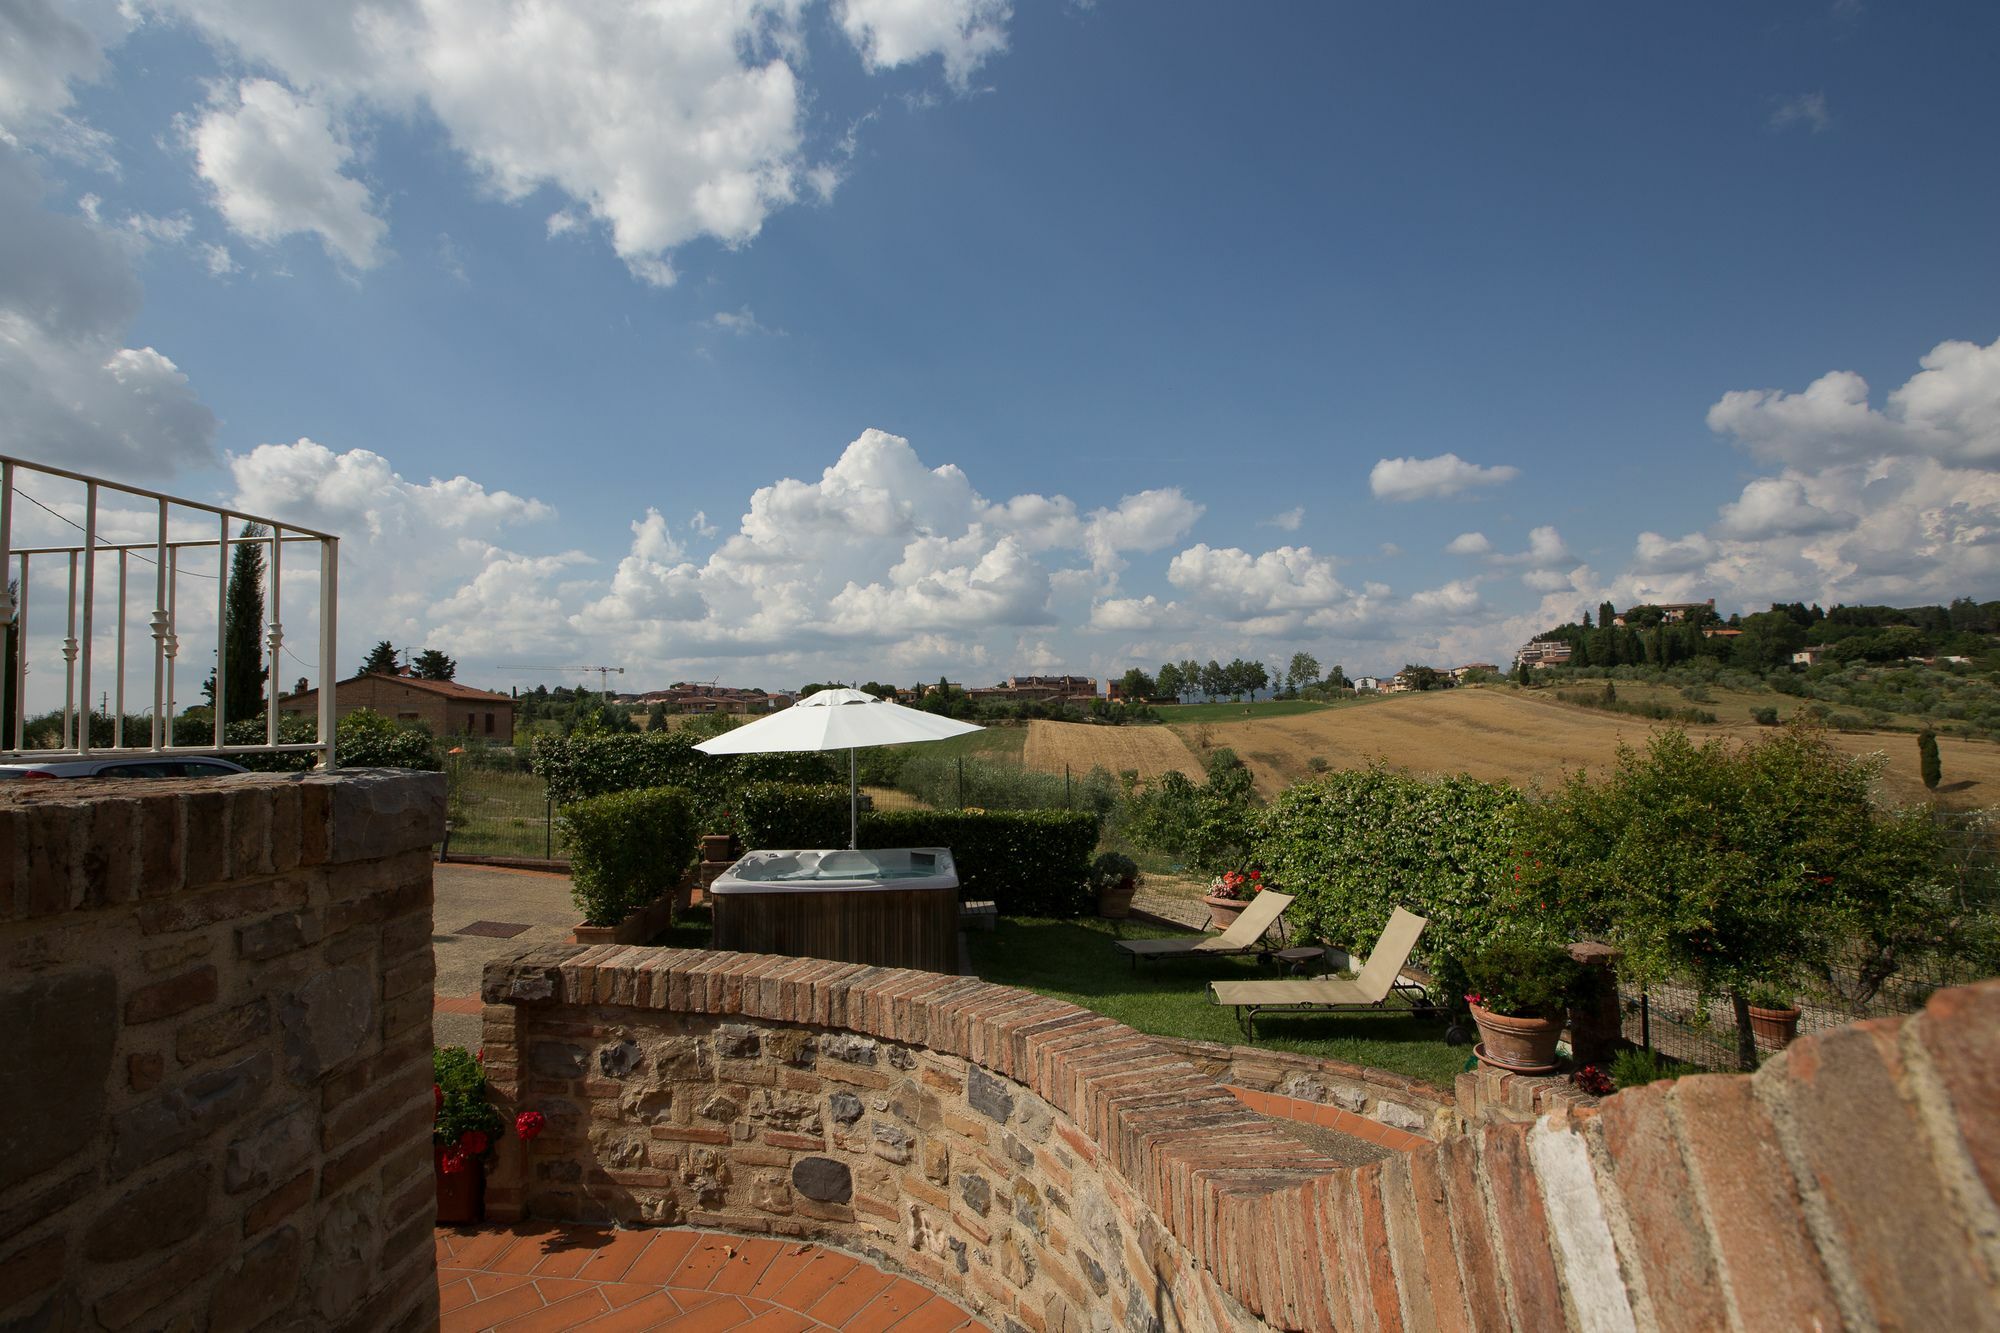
(870, 868)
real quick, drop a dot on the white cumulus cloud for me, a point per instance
(964, 33)
(1469, 543)
(1433, 478)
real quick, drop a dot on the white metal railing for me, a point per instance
(76, 579)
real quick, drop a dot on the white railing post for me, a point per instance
(10, 632)
(162, 625)
(89, 608)
(172, 646)
(221, 635)
(276, 635)
(118, 699)
(69, 664)
(329, 647)
(19, 721)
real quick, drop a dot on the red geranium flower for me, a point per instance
(453, 1161)
(437, 1098)
(528, 1124)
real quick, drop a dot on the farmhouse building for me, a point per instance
(1544, 653)
(445, 706)
(682, 697)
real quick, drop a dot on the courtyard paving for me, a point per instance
(543, 1277)
(490, 896)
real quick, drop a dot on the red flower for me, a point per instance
(437, 1098)
(528, 1124)
(474, 1141)
(452, 1161)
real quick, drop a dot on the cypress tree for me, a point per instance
(243, 631)
(381, 660)
(1927, 758)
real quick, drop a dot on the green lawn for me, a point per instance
(1179, 714)
(1075, 961)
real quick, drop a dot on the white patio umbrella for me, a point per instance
(837, 719)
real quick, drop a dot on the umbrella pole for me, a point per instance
(853, 806)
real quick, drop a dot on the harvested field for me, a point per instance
(1150, 750)
(1527, 739)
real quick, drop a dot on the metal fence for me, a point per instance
(77, 578)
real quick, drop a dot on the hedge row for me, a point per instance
(1027, 862)
(576, 767)
(626, 849)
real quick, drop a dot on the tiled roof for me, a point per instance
(450, 689)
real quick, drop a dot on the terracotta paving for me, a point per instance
(536, 1276)
(1329, 1117)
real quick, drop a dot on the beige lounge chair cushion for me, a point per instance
(1243, 935)
(1370, 986)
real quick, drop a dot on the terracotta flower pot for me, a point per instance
(1774, 1028)
(1116, 903)
(1518, 1045)
(1222, 912)
(461, 1195)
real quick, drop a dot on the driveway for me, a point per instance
(507, 910)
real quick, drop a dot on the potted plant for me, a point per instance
(463, 1131)
(1774, 1019)
(1115, 876)
(1229, 893)
(1519, 993)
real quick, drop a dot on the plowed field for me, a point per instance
(1151, 750)
(1498, 735)
(1528, 739)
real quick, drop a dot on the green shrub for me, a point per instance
(626, 849)
(1764, 717)
(365, 739)
(1635, 1068)
(1027, 862)
(935, 779)
(1524, 978)
(1209, 828)
(1353, 845)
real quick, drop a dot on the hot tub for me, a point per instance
(889, 906)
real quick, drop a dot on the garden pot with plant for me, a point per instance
(1774, 1019)
(464, 1129)
(1229, 893)
(1115, 877)
(1519, 993)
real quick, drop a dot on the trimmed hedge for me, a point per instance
(577, 767)
(1027, 862)
(627, 849)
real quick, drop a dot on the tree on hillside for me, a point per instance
(1927, 758)
(1251, 676)
(1304, 670)
(1170, 684)
(1420, 677)
(243, 632)
(879, 690)
(432, 664)
(1214, 679)
(1606, 613)
(656, 716)
(1136, 684)
(381, 660)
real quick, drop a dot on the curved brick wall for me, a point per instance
(1059, 1171)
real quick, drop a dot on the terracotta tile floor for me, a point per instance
(538, 1276)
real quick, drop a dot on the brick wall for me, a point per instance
(1053, 1168)
(1389, 1099)
(214, 1029)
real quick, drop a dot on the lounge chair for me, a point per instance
(1379, 978)
(1245, 935)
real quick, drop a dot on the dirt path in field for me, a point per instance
(1527, 739)
(1151, 750)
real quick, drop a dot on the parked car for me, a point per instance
(126, 766)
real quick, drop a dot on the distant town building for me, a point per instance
(1038, 689)
(1812, 655)
(1543, 653)
(683, 697)
(445, 706)
(1367, 684)
(1459, 673)
(1671, 613)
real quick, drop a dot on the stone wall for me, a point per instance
(1060, 1172)
(214, 1031)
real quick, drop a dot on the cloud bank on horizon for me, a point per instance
(650, 137)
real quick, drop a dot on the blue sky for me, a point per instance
(793, 340)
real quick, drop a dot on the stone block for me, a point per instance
(275, 936)
(327, 1021)
(185, 1114)
(988, 1095)
(161, 1212)
(270, 1150)
(60, 1030)
(280, 1203)
(823, 1180)
(380, 812)
(31, 1270)
(260, 1284)
(220, 1033)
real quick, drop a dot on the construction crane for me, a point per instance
(604, 673)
